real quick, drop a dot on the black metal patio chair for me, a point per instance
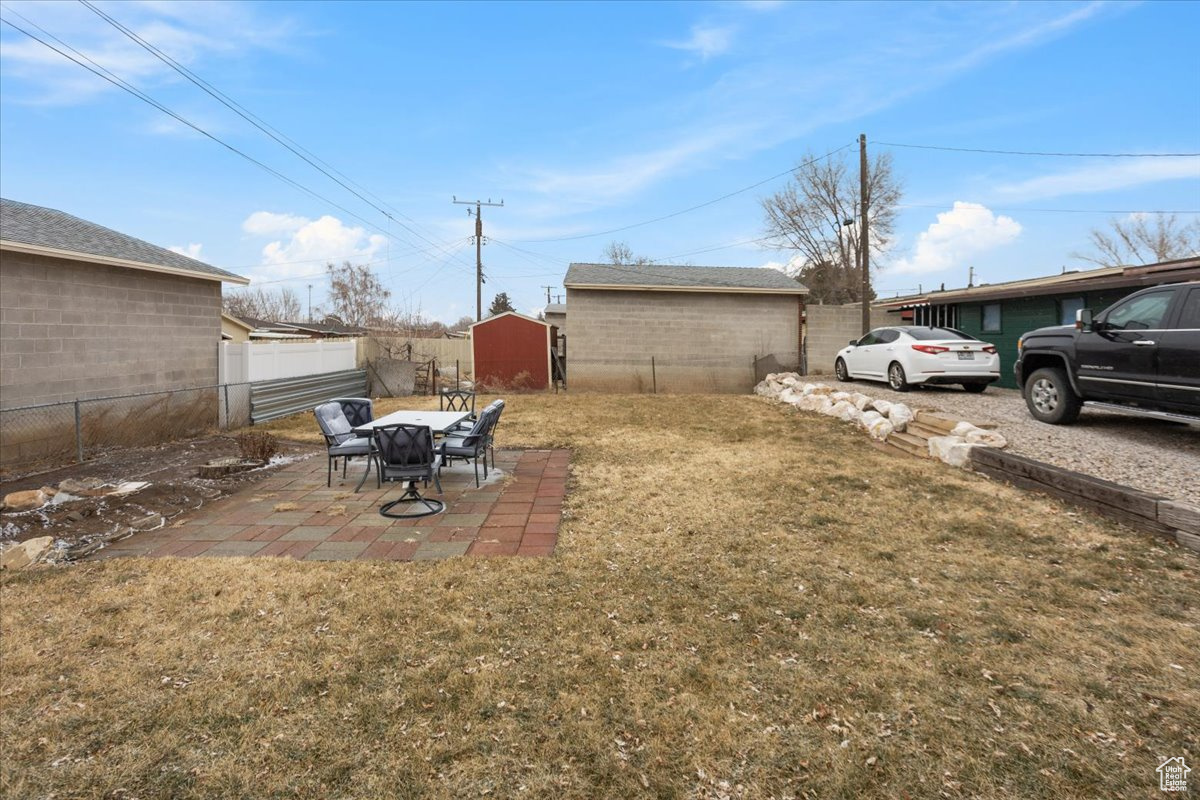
(473, 444)
(358, 410)
(405, 454)
(341, 441)
(458, 400)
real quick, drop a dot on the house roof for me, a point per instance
(486, 320)
(241, 323)
(45, 231)
(332, 328)
(1183, 269)
(661, 277)
(556, 308)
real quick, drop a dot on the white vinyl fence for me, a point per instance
(250, 362)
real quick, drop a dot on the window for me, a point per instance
(1190, 318)
(991, 318)
(888, 336)
(1069, 306)
(937, 334)
(870, 338)
(1140, 313)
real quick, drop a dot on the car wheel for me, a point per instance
(840, 371)
(896, 378)
(1050, 398)
(975, 388)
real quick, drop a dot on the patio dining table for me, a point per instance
(438, 422)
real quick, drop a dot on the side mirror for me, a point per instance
(854, 342)
(1083, 320)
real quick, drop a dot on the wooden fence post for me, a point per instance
(653, 375)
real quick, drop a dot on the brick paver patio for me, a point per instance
(293, 514)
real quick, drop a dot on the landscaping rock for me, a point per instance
(880, 429)
(26, 500)
(26, 553)
(148, 522)
(84, 487)
(900, 415)
(953, 450)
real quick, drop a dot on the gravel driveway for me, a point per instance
(1148, 454)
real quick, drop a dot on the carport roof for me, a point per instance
(661, 277)
(46, 231)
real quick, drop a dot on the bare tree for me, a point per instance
(620, 254)
(358, 297)
(258, 303)
(815, 215)
(1143, 239)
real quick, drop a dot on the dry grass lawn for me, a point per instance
(745, 602)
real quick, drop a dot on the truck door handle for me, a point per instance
(1144, 343)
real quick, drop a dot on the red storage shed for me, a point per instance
(512, 350)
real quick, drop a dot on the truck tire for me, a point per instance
(1050, 398)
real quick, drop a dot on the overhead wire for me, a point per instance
(1037, 153)
(102, 72)
(275, 134)
(690, 208)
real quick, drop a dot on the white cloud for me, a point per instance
(961, 233)
(1095, 178)
(191, 251)
(705, 41)
(189, 33)
(309, 244)
(267, 223)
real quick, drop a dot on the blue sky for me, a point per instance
(586, 118)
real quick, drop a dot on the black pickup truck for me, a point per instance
(1140, 355)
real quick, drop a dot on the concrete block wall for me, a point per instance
(73, 330)
(830, 328)
(700, 341)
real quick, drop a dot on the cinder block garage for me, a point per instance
(677, 329)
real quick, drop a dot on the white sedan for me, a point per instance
(912, 355)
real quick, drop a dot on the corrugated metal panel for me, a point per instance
(278, 398)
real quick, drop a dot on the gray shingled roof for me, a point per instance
(556, 308)
(667, 277)
(23, 223)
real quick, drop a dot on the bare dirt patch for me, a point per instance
(174, 487)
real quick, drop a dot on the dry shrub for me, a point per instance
(257, 445)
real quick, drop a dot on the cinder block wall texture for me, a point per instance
(830, 328)
(71, 330)
(700, 341)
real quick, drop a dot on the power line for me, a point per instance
(102, 72)
(278, 136)
(1034, 153)
(950, 207)
(692, 208)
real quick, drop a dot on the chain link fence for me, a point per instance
(682, 374)
(78, 429)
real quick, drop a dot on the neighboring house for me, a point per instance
(677, 329)
(511, 350)
(234, 329)
(87, 312)
(1001, 313)
(556, 315)
(329, 328)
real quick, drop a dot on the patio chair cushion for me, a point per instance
(333, 423)
(359, 446)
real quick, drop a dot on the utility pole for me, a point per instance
(864, 241)
(310, 319)
(478, 247)
(548, 288)
(970, 277)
